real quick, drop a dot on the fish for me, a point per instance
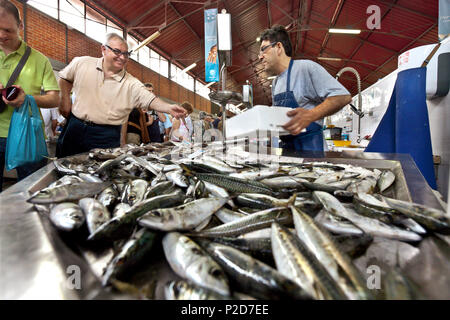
(109, 197)
(226, 215)
(89, 177)
(257, 175)
(184, 290)
(191, 262)
(258, 248)
(255, 221)
(329, 178)
(336, 224)
(163, 187)
(184, 217)
(296, 262)
(430, 218)
(177, 178)
(366, 185)
(67, 216)
(133, 252)
(119, 227)
(262, 201)
(284, 182)
(121, 209)
(230, 183)
(67, 193)
(321, 244)
(137, 191)
(68, 179)
(385, 180)
(95, 212)
(353, 246)
(253, 276)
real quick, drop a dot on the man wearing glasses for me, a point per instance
(302, 85)
(105, 95)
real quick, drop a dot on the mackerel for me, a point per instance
(191, 262)
(255, 277)
(255, 221)
(327, 252)
(295, 261)
(130, 255)
(184, 217)
(121, 226)
(66, 193)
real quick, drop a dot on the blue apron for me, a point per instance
(312, 139)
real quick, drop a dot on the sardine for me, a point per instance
(191, 262)
(255, 221)
(109, 197)
(320, 243)
(255, 277)
(67, 216)
(386, 179)
(184, 217)
(119, 227)
(226, 215)
(95, 212)
(131, 254)
(121, 209)
(432, 219)
(295, 261)
(137, 192)
(66, 192)
(177, 178)
(336, 224)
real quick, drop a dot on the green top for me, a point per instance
(36, 74)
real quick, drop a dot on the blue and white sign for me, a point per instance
(211, 53)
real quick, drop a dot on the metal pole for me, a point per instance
(223, 77)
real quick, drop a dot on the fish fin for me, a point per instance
(186, 169)
(291, 200)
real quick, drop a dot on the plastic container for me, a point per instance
(258, 118)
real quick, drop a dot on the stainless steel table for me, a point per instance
(34, 260)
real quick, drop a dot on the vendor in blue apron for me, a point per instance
(302, 85)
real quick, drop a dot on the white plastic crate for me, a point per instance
(258, 118)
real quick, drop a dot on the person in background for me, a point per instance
(50, 118)
(105, 95)
(135, 131)
(216, 121)
(180, 130)
(302, 85)
(39, 76)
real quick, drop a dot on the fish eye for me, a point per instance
(157, 213)
(216, 273)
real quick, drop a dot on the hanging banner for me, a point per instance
(444, 19)
(211, 53)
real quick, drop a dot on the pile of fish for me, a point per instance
(234, 229)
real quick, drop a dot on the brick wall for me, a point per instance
(56, 41)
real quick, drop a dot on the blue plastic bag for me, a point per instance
(26, 142)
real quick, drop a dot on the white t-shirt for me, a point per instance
(48, 115)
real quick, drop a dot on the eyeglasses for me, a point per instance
(261, 51)
(117, 52)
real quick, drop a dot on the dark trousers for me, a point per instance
(80, 136)
(22, 171)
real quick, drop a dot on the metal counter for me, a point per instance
(34, 257)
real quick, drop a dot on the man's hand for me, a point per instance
(301, 118)
(18, 101)
(177, 111)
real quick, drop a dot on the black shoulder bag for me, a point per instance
(7, 90)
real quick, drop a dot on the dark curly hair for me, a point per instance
(278, 34)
